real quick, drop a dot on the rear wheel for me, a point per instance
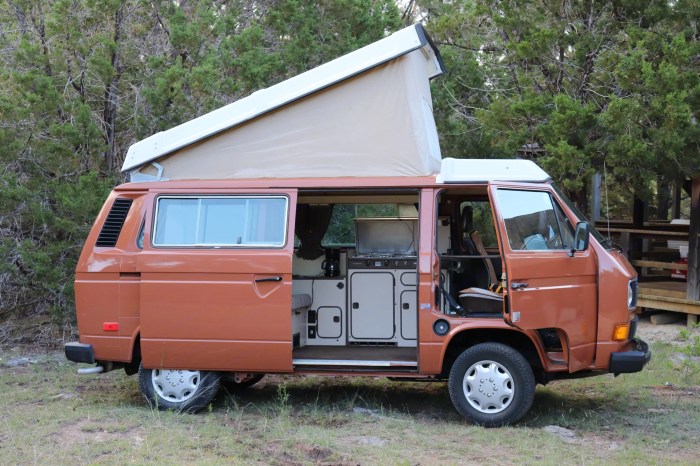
(178, 390)
(491, 384)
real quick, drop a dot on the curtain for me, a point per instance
(311, 226)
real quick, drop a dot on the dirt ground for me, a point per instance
(662, 333)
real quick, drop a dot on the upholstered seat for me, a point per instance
(480, 300)
(300, 301)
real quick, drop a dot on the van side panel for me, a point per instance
(107, 285)
(202, 309)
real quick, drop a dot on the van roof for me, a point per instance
(484, 170)
(453, 171)
(265, 101)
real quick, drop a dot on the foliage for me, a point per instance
(691, 350)
(575, 85)
(84, 79)
(579, 86)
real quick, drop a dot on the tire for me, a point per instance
(229, 382)
(178, 390)
(491, 384)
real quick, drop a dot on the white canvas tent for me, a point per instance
(368, 113)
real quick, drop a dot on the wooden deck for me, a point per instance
(667, 296)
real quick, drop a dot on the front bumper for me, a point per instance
(633, 359)
(79, 352)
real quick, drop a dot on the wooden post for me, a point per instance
(693, 291)
(636, 244)
(625, 244)
(676, 201)
(595, 198)
(639, 212)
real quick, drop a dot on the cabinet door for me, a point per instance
(372, 306)
(409, 317)
(329, 324)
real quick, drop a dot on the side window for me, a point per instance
(221, 221)
(481, 221)
(533, 222)
(139, 239)
(341, 230)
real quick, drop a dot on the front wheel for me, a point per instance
(178, 390)
(491, 384)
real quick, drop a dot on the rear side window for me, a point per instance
(236, 221)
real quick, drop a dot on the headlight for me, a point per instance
(632, 294)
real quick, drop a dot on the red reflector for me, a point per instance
(110, 326)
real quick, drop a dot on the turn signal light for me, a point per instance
(621, 332)
(110, 326)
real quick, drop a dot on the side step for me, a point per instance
(352, 363)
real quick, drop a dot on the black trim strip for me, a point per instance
(426, 39)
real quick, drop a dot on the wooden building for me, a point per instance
(666, 282)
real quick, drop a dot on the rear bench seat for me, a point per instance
(300, 302)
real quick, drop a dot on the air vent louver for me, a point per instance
(114, 222)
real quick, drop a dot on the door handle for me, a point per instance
(518, 285)
(269, 279)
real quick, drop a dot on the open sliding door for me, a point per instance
(216, 274)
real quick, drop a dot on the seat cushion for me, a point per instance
(479, 301)
(300, 301)
(481, 293)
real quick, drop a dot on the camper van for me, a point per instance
(313, 228)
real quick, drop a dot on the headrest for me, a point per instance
(467, 219)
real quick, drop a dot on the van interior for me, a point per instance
(355, 276)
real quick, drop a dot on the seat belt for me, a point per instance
(450, 299)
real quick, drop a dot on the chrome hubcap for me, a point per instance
(175, 385)
(488, 387)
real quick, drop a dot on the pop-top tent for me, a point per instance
(367, 113)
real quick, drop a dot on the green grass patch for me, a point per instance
(51, 415)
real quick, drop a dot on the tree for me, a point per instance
(84, 79)
(586, 84)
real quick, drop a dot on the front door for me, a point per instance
(546, 286)
(216, 281)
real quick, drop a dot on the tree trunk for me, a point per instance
(112, 93)
(663, 198)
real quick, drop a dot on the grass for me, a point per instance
(48, 414)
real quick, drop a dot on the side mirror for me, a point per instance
(581, 237)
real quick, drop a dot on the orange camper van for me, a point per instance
(314, 228)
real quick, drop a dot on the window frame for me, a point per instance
(154, 226)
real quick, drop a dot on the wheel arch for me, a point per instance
(517, 340)
(132, 367)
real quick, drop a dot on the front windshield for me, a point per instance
(605, 242)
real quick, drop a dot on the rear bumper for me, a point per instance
(633, 359)
(79, 352)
